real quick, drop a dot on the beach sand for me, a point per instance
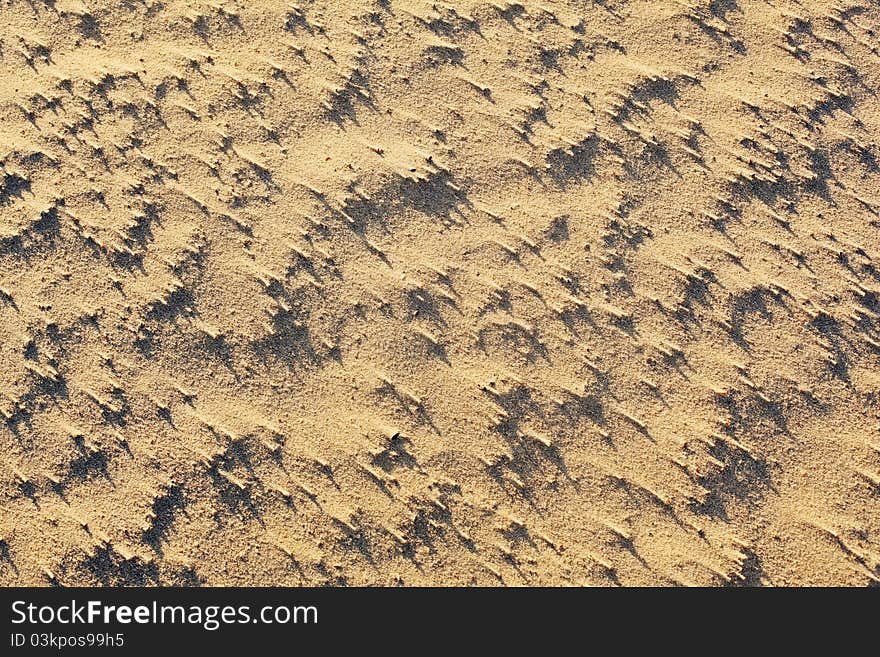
(400, 292)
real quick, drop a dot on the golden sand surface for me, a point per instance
(406, 292)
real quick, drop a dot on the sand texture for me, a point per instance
(409, 292)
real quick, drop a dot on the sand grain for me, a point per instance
(439, 293)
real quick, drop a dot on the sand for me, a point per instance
(467, 293)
